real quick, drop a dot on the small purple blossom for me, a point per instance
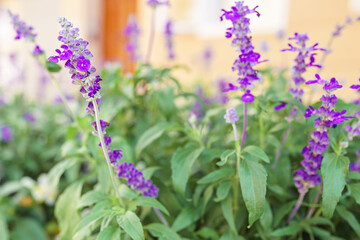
(230, 116)
(155, 3)
(21, 28)
(29, 117)
(132, 32)
(238, 15)
(37, 51)
(169, 39)
(356, 87)
(280, 106)
(355, 166)
(207, 56)
(5, 133)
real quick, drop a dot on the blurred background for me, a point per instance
(202, 52)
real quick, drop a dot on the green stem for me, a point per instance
(101, 137)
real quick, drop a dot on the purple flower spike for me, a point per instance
(21, 28)
(248, 58)
(155, 3)
(37, 51)
(281, 106)
(29, 117)
(307, 177)
(5, 133)
(230, 116)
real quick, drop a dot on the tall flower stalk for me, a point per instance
(132, 32)
(305, 58)
(169, 38)
(77, 59)
(307, 177)
(247, 59)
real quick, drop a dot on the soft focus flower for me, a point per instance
(307, 177)
(29, 117)
(356, 87)
(355, 166)
(21, 28)
(248, 58)
(155, 3)
(5, 133)
(77, 59)
(169, 39)
(42, 190)
(305, 58)
(230, 116)
(132, 32)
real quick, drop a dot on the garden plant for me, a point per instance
(135, 156)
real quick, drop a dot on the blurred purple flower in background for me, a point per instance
(169, 39)
(132, 32)
(5, 133)
(155, 3)
(29, 117)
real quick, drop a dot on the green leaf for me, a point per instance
(253, 186)
(321, 221)
(350, 218)
(208, 233)
(281, 212)
(266, 218)
(227, 209)
(333, 170)
(151, 135)
(162, 232)
(354, 189)
(223, 190)
(257, 152)
(216, 175)
(58, 170)
(85, 222)
(90, 198)
(131, 225)
(187, 216)
(65, 210)
(27, 228)
(354, 175)
(278, 127)
(8, 188)
(149, 202)
(225, 156)
(181, 164)
(290, 230)
(52, 67)
(4, 232)
(109, 233)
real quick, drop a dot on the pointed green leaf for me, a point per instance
(290, 230)
(350, 218)
(223, 190)
(257, 152)
(253, 186)
(354, 189)
(85, 222)
(4, 232)
(149, 202)
(109, 233)
(52, 67)
(181, 164)
(266, 218)
(90, 198)
(225, 156)
(187, 216)
(216, 175)
(227, 209)
(162, 232)
(131, 225)
(151, 135)
(333, 170)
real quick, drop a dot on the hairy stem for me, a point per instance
(161, 217)
(151, 38)
(243, 139)
(316, 200)
(101, 137)
(235, 132)
(297, 206)
(278, 154)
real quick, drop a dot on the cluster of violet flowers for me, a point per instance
(24, 31)
(304, 59)
(77, 59)
(307, 177)
(248, 58)
(132, 32)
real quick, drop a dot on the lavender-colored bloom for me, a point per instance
(37, 51)
(132, 32)
(305, 58)
(353, 130)
(248, 58)
(280, 34)
(355, 166)
(136, 180)
(155, 3)
(207, 56)
(169, 39)
(264, 46)
(231, 116)
(356, 87)
(280, 106)
(307, 178)
(221, 97)
(29, 117)
(21, 28)
(78, 60)
(5, 133)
